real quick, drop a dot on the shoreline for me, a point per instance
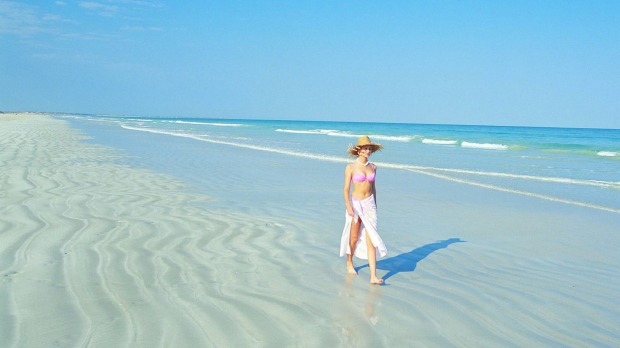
(102, 252)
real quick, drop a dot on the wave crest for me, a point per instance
(439, 142)
(485, 146)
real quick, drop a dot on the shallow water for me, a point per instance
(557, 164)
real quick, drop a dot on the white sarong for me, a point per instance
(365, 209)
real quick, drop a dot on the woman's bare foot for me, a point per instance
(350, 268)
(376, 281)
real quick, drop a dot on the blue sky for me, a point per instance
(531, 63)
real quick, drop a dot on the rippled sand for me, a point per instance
(96, 253)
(99, 254)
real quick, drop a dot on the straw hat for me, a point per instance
(363, 141)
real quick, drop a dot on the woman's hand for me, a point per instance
(350, 211)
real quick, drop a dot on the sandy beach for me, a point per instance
(96, 252)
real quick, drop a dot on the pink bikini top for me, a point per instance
(359, 177)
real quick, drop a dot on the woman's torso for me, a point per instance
(363, 179)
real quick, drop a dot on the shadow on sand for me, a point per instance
(407, 262)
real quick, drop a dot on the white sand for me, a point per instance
(96, 253)
(99, 254)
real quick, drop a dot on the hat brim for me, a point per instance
(354, 150)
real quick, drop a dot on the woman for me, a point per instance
(360, 236)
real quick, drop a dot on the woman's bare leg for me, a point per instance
(372, 261)
(353, 237)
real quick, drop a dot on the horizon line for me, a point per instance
(301, 120)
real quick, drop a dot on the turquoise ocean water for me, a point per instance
(573, 166)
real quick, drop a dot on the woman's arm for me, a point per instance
(374, 189)
(347, 189)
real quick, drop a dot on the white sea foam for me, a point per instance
(401, 138)
(485, 146)
(314, 131)
(103, 119)
(343, 134)
(439, 142)
(336, 133)
(209, 123)
(247, 146)
(330, 132)
(607, 153)
(134, 119)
